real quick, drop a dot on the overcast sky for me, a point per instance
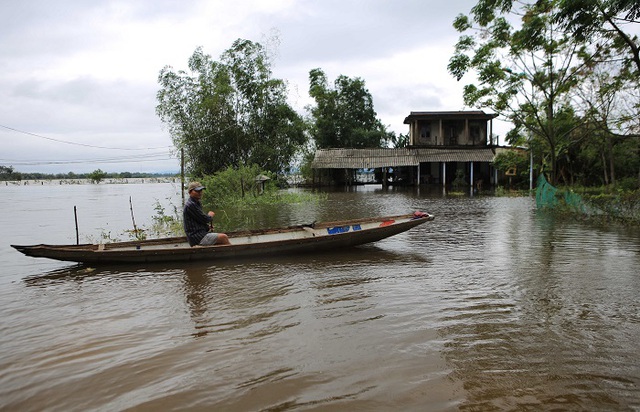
(85, 72)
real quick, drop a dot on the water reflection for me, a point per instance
(492, 306)
(220, 300)
(71, 273)
(196, 289)
(543, 337)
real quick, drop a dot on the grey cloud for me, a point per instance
(356, 30)
(84, 104)
(347, 36)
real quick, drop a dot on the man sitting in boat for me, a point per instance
(196, 223)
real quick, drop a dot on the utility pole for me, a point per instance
(182, 173)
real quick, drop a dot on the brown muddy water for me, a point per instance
(492, 306)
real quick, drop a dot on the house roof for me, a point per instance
(386, 157)
(484, 154)
(451, 115)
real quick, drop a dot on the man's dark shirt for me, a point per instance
(196, 222)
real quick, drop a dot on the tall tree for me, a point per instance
(610, 104)
(524, 73)
(584, 40)
(230, 112)
(609, 96)
(344, 115)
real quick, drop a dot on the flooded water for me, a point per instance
(492, 306)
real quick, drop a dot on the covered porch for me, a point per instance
(407, 166)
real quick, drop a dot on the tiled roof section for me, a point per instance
(455, 155)
(460, 115)
(363, 158)
(383, 157)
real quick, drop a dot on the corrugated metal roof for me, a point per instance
(459, 115)
(455, 155)
(384, 157)
(363, 158)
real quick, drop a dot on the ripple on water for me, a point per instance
(491, 306)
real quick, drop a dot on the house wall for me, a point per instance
(448, 132)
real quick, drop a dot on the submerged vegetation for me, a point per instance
(162, 225)
(247, 187)
(239, 195)
(591, 203)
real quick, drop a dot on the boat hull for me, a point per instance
(268, 242)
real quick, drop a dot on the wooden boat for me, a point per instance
(293, 239)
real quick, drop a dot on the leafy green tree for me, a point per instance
(525, 74)
(7, 173)
(401, 140)
(230, 112)
(97, 176)
(511, 160)
(610, 103)
(608, 97)
(343, 115)
(565, 72)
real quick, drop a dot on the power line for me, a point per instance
(65, 162)
(80, 144)
(121, 159)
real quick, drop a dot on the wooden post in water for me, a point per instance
(133, 219)
(75, 214)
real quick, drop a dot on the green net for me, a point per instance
(618, 205)
(545, 193)
(548, 196)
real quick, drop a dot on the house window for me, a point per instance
(453, 136)
(425, 132)
(474, 131)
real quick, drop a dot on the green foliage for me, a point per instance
(460, 180)
(401, 140)
(308, 154)
(605, 23)
(8, 173)
(243, 187)
(528, 72)
(13, 175)
(165, 225)
(239, 199)
(593, 203)
(230, 112)
(238, 187)
(97, 175)
(136, 234)
(565, 73)
(511, 159)
(344, 115)
(623, 205)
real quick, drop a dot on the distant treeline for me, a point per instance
(7, 173)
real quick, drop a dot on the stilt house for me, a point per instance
(444, 147)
